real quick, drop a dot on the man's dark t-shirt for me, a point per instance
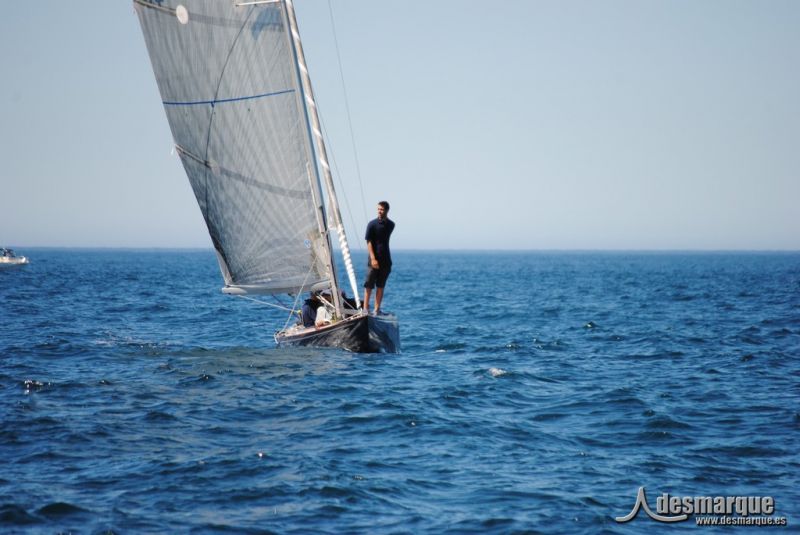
(378, 232)
(309, 312)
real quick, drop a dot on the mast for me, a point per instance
(309, 106)
(322, 155)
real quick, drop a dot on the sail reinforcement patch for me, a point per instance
(182, 13)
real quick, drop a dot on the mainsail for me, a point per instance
(234, 98)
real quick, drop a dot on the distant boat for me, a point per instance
(238, 98)
(9, 259)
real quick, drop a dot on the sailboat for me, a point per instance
(237, 94)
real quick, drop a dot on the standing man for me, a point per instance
(379, 262)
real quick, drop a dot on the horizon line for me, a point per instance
(425, 250)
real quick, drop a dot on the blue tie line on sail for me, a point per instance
(225, 100)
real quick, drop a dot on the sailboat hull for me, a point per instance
(359, 334)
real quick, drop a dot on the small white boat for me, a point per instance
(9, 259)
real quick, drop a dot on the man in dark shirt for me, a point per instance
(309, 310)
(379, 262)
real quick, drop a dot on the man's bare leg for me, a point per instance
(378, 299)
(367, 295)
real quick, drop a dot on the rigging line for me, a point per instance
(314, 259)
(347, 108)
(260, 302)
(338, 175)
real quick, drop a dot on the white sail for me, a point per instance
(229, 82)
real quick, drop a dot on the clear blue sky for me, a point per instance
(515, 124)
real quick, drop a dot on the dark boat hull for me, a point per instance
(359, 334)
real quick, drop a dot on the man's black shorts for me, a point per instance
(377, 277)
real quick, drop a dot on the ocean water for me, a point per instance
(536, 392)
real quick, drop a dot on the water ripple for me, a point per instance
(539, 406)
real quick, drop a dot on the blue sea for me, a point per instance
(536, 392)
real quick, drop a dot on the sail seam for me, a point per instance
(225, 100)
(294, 194)
(221, 251)
(151, 5)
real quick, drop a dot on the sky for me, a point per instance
(513, 124)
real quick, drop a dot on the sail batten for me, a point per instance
(229, 88)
